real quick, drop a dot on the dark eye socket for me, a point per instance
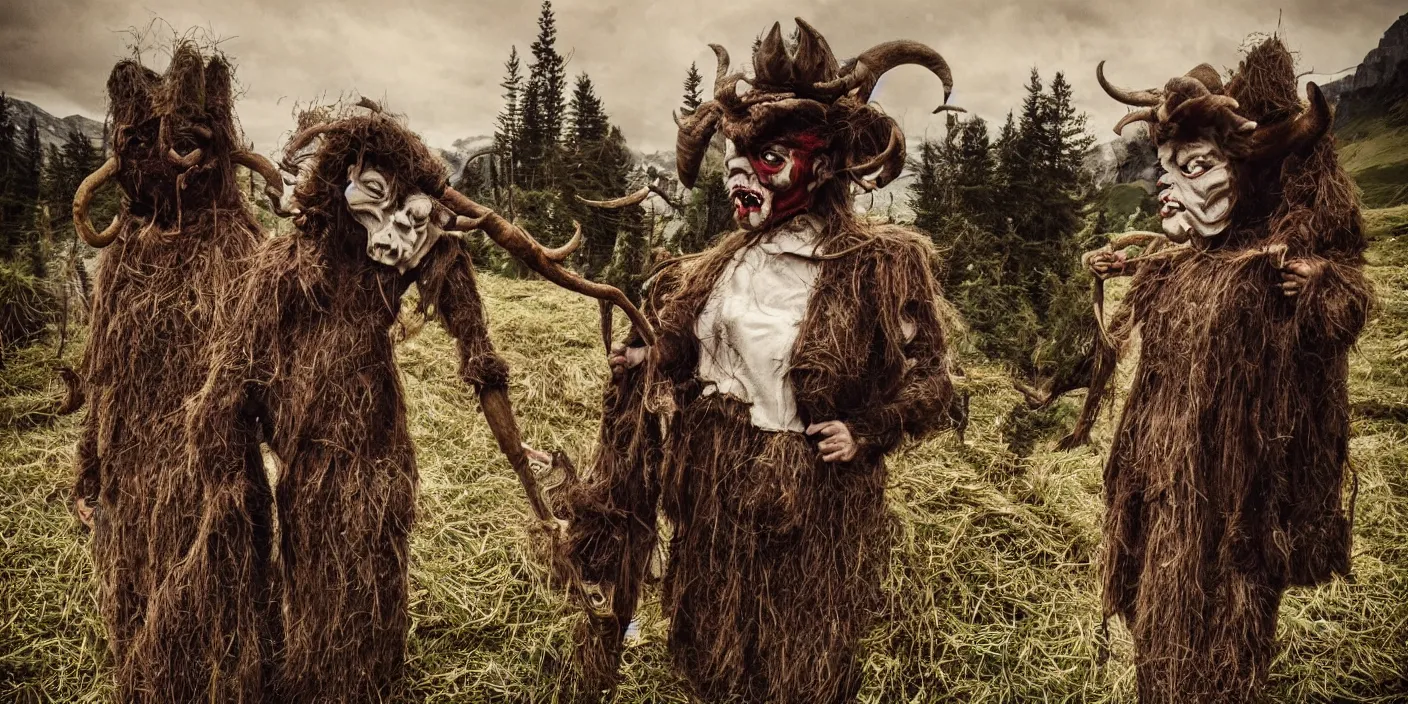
(773, 158)
(373, 188)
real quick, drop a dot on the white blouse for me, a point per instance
(749, 324)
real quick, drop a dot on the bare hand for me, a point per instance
(84, 512)
(1105, 264)
(622, 358)
(1297, 274)
(836, 445)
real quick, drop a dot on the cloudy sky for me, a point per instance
(439, 61)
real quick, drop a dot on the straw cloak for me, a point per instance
(776, 558)
(308, 356)
(172, 258)
(1225, 482)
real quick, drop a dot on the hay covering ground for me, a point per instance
(993, 593)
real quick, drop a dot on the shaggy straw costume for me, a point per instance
(180, 555)
(776, 557)
(1224, 483)
(308, 354)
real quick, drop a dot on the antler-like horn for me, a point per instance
(1294, 135)
(625, 201)
(631, 199)
(540, 259)
(273, 181)
(867, 69)
(498, 413)
(83, 197)
(1140, 98)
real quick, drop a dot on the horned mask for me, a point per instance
(175, 144)
(800, 127)
(1205, 144)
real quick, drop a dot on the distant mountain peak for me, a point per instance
(52, 130)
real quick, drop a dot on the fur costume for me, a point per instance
(180, 555)
(308, 355)
(1224, 483)
(776, 556)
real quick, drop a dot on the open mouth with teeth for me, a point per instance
(1170, 208)
(746, 201)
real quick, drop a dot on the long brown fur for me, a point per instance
(1224, 484)
(309, 352)
(181, 553)
(776, 557)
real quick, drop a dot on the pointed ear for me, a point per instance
(219, 91)
(185, 82)
(130, 89)
(821, 169)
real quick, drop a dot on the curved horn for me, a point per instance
(189, 160)
(303, 139)
(882, 161)
(1187, 86)
(1140, 115)
(1208, 76)
(83, 197)
(560, 254)
(867, 69)
(692, 141)
(625, 201)
(527, 250)
(720, 55)
(1294, 135)
(273, 181)
(1140, 98)
(474, 156)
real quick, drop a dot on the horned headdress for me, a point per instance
(806, 88)
(1246, 125)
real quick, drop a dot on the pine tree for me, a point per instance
(28, 172)
(508, 136)
(543, 103)
(594, 171)
(9, 227)
(588, 118)
(692, 80)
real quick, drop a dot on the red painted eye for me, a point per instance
(773, 159)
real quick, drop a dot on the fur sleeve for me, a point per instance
(612, 510)
(914, 337)
(447, 283)
(1334, 307)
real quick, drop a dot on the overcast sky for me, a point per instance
(439, 61)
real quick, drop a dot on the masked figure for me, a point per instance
(181, 555)
(791, 358)
(307, 354)
(1223, 485)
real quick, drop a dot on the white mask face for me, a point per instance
(1195, 193)
(399, 234)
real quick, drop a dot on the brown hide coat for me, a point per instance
(776, 558)
(1224, 483)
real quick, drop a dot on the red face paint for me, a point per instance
(785, 169)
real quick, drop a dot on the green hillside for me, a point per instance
(1375, 151)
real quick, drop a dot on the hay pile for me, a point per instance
(993, 592)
